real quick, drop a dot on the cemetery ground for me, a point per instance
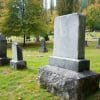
(24, 85)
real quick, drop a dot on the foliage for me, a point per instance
(48, 16)
(34, 18)
(91, 2)
(12, 24)
(67, 6)
(3, 12)
(93, 17)
(24, 18)
(85, 3)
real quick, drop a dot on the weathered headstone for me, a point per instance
(3, 50)
(98, 44)
(68, 74)
(43, 46)
(69, 43)
(17, 61)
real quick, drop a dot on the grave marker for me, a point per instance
(3, 50)
(68, 74)
(17, 61)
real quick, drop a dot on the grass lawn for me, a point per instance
(24, 85)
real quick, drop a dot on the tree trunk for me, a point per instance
(24, 40)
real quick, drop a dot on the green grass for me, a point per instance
(24, 85)
(93, 54)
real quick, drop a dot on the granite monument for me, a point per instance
(68, 74)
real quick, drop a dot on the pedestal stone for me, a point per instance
(78, 65)
(17, 61)
(17, 65)
(4, 60)
(68, 74)
(67, 84)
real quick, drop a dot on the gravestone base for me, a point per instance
(4, 61)
(78, 65)
(67, 84)
(18, 65)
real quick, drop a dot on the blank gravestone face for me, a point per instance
(3, 47)
(69, 36)
(17, 52)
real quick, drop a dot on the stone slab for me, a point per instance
(17, 65)
(78, 65)
(4, 61)
(69, 36)
(67, 84)
(17, 52)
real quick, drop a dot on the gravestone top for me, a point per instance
(2, 37)
(17, 52)
(69, 36)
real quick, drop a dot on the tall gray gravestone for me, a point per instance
(3, 51)
(68, 74)
(17, 61)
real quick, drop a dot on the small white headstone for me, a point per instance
(17, 52)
